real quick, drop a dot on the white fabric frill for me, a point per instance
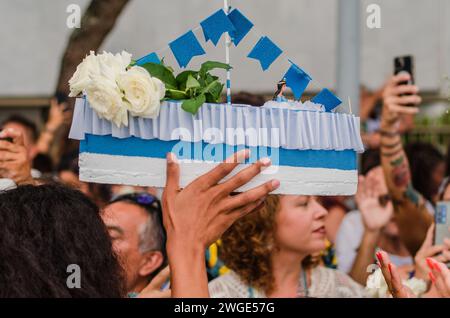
(306, 128)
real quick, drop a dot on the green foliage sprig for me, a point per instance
(193, 87)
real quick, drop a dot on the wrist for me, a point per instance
(371, 236)
(50, 128)
(181, 248)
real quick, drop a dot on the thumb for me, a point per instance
(428, 242)
(172, 175)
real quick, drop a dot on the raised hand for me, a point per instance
(393, 278)
(375, 214)
(14, 161)
(205, 209)
(197, 215)
(440, 253)
(440, 276)
(398, 99)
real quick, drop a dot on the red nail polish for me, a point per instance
(390, 268)
(432, 278)
(378, 255)
(429, 263)
(436, 266)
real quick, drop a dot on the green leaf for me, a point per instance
(215, 89)
(163, 73)
(192, 82)
(176, 94)
(192, 105)
(210, 78)
(210, 65)
(182, 78)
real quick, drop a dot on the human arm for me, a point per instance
(412, 216)
(375, 216)
(55, 120)
(198, 215)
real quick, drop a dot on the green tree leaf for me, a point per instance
(210, 65)
(192, 105)
(163, 73)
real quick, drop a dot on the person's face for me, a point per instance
(300, 225)
(27, 138)
(124, 221)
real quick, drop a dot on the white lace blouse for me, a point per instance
(325, 283)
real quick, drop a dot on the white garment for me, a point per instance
(325, 283)
(7, 184)
(348, 240)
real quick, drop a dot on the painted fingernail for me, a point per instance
(437, 267)
(275, 184)
(390, 268)
(378, 255)
(429, 263)
(432, 278)
(265, 161)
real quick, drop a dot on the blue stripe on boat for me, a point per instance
(155, 148)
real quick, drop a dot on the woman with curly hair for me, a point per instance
(273, 253)
(43, 230)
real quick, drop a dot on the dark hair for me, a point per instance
(44, 229)
(69, 162)
(154, 230)
(369, 160)
(28, 124)
(423, 159)
(246, 98)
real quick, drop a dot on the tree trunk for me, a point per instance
(97, 22)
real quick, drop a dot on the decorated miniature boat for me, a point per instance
(313, 149)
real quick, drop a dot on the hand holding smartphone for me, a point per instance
(405, 64)
(442, 221)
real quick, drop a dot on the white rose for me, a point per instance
(105, 98)
(376, 286)
(417, 286)
(142, 92)
(113, 66)
(82, 76)
(104, 65)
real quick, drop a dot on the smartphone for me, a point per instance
(8, 139)
(405, 64)
(442, 221)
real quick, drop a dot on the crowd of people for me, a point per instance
(147, 242)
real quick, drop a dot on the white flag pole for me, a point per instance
(227, 9)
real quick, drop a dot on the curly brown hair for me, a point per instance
(248, 244)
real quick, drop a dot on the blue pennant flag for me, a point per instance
(327, 99)
(266, 52)
(241, 24)
(150, 58)
(297, 80)
(215, 25)
(185, 48)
